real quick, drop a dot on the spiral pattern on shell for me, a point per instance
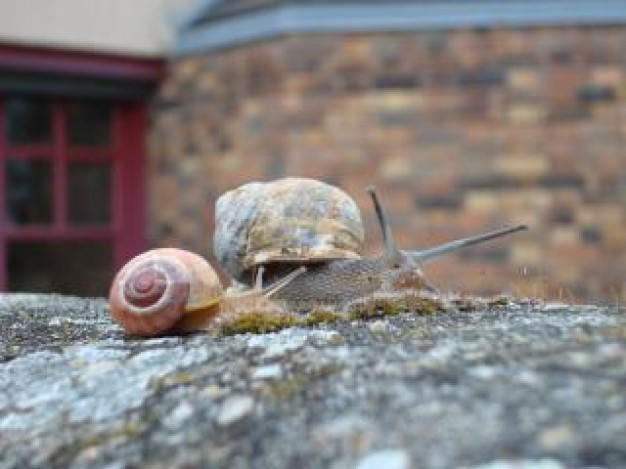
(149, 295)
(154, 291)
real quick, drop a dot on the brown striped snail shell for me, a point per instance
(154, 291)
(291, 220)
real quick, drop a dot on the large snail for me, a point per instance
(169, 289)
(298, 221)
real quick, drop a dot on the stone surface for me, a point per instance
(511, 384)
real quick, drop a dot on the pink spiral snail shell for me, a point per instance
(152, 293)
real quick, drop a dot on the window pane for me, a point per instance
(89, 193)
(29, 120)
(76, 268)
(29, 191)
(90, 123)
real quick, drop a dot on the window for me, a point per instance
(71, 198)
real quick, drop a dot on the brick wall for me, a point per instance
(462, 131)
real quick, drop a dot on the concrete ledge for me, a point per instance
(509, 384)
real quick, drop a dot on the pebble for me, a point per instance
(278, 350)
(388, 459)
(483, 372)
(181, 413)
(378, 327)
(320, 338)
(341, 428)
(279, 344)
(274, 371)
(555, 438)
(213, 391)
(235, 409)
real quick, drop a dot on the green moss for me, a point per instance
(395, 304)
(426, 305)
(259, 323)
(95, 440)
(392, 308)
(415, 333)
(501, 300)
(128, 430)
(285, 390)
(321, 316)
(179, 378)
(174, 379)
(376, 307)
(463, 304)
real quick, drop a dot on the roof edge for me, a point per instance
(391, 17)
(60, 61)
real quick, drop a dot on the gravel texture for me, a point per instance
(523, 384)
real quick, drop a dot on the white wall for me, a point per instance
(135, 27)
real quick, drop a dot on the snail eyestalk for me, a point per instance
(392, 254)
(279, 284)
(446, 248)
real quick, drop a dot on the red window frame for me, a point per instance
(126, 156)
(127, 231)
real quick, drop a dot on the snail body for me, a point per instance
(234, 304)
(339, 281)
(328, 280)
(173, 290)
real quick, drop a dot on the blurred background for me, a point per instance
(122, 122)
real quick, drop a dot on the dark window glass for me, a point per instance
(29, 120)
(29, 191)
(75, 268)
(89, 123)
(89, 193)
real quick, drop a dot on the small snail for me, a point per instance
(271, 225)
(171, 289)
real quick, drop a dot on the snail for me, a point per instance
(170, 289)
(271, 225)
